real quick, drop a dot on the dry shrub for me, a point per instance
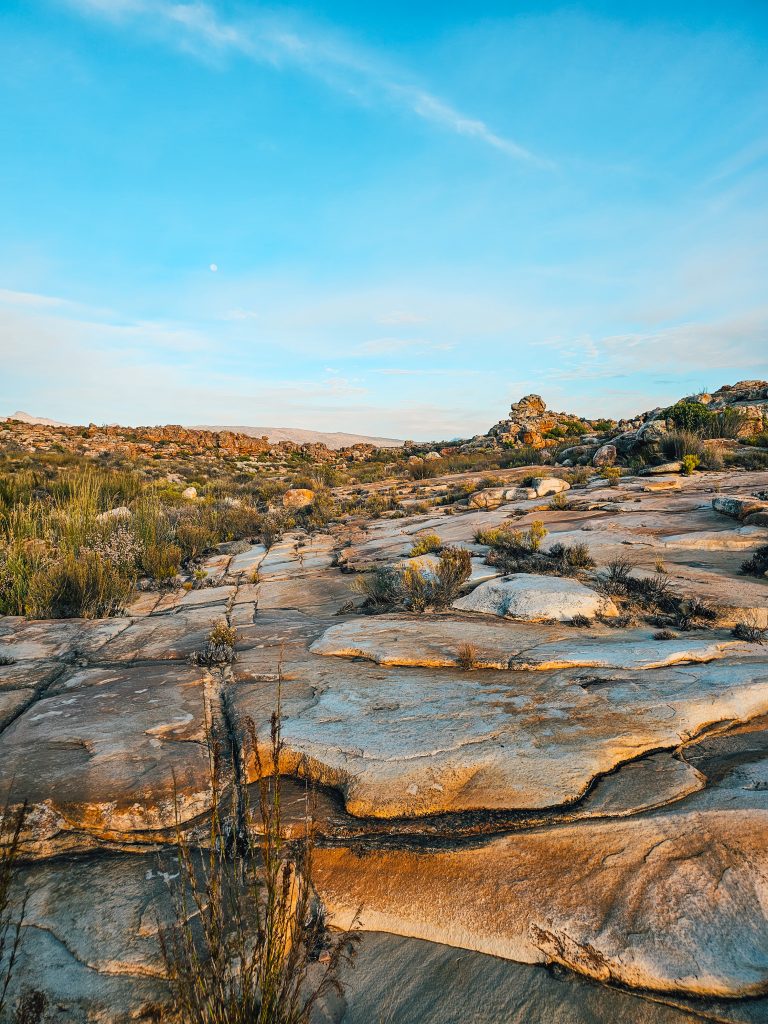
(249, 944)
(79, 586)
(161, 562)
(466, 656)
(756, 564)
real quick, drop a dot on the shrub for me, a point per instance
(248, 943)
(752, 460)
(571, 556)
(612, 475)
(580, 621)
(161, 562)
(678, 443)
(451, 573)
(579, 476)
(466, 656)
(559, 501)
(690, 463)
(78, 586)
(617, 576)
(380, 588)
(758, 440)
(272, 526)
(424, 469)
(691, 416)
(750, 632)
(425, 544)
(194, 539)
(219, 648)
(756, 564)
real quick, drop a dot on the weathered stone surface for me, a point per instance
(530, 597)
(170, 636)
(544, 485)
(90, 942)
(437, 643)
(53, 638)
(406, 742)
(665, 467)
(757, 518)
(107, 744)
(299, 497)
(408, 981)
(744, 539)
(738, 507)
(657, 902)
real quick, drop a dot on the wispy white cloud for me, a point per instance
(198, 27)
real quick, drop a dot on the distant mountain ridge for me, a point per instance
(25, 417)
(331, 439)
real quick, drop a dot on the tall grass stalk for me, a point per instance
(248, 944)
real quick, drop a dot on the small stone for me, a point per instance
(190, 493)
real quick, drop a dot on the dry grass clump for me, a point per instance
(249, 944)
(515, 550)
(612, 475)
(749, 631)
(466, 656)
(425, 544)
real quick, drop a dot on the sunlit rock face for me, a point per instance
(500, 789)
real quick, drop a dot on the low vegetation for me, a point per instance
(248, 942)
(514, 550)
(756, 564)
(425, 544)
(416, 588)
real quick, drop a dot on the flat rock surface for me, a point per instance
(404, 742)
(441, 643)
(655, 902)
(107, 745)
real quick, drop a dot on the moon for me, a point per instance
(213, 267)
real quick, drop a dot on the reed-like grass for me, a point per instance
(248, 943)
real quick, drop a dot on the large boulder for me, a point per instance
(544, 485)
(606, 455)
(489, 498)
(298, 498)
(738, 507)
(536, 598)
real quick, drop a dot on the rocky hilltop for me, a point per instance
(743, 406)
(171, 440)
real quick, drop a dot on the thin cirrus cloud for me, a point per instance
(353, 70)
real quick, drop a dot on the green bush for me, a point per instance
(425, 544)
(161, 562)
(78, 586)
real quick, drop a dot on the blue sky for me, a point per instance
(416, 212)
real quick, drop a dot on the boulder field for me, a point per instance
(541, 820)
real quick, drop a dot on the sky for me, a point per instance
(387, 218)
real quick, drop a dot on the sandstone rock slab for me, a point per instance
(107, 745)
(409, 742)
